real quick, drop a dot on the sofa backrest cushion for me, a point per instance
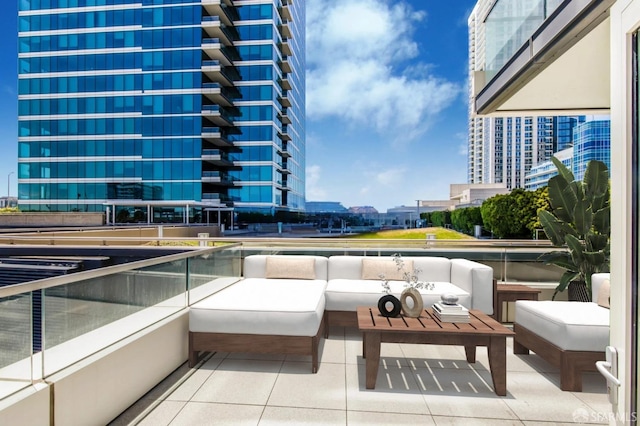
(290, 267)
(255, 266)
(433, 268)
(596, 283)
(350, 267)
(374, 267)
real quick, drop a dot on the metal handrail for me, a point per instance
(16, 289)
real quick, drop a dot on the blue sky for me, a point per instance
(386, 100)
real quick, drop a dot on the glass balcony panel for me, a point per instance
(508, 25)
(81, 318)
(212, 272)
(15, 343)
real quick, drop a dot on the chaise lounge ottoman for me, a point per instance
(278, 308)
(569, 335)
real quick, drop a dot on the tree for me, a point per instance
(510, 215)
(441, 218)
(464, 219)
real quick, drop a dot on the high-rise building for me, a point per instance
(504, 149)
(162, 108)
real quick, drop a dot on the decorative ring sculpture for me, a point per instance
(384, 309)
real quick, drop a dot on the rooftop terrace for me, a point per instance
(118, 334)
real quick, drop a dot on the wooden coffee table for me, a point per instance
(481, 331)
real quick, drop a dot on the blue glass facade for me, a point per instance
(591, 140)
(157, 101)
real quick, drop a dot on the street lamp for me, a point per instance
(9, 186)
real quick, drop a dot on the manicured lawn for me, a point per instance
(415, 234)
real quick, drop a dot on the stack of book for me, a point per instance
(450, 313)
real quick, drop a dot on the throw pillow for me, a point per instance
(603, 294)
(373, 268)
(290, 267)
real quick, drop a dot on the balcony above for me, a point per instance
(218, 177)
(217, 157)
(216, 29)
(560, 67)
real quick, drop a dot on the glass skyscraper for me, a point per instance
(161, 107)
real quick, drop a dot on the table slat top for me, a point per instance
(369, 319)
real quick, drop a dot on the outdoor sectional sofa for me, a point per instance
(285, 302)
(569, 335)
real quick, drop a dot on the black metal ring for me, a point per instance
(382, 306)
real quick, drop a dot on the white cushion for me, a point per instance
(290, 267)
(348, 294)
(374, 267)
(262, 306)
(432, 268)
(572, 326)
(604, 294)
(476, 279)
(255, 266)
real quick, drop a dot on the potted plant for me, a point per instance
(579, 222)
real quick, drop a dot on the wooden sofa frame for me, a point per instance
(571, 363)
(255, 343)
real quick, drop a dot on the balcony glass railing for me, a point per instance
(51, 324)
(509, 25)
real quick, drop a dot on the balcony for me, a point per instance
(115, 351)
(217, 157)
(284, 101)
(217, 93)
(545, 59)
(285, 13)
(285, 66)
(285, 48)
(285, 83)
(220, 74)
(285, 31)
(216, 29)
(222, 8)
(284, 117)
(217, 115)
(218, 177)
(217, 137)
(218, 51)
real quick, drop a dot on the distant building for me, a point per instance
(592, 141)
(363, 210)
(183, 106)
(539, 176)
(325, 207)
(471, 195)
(8, 202)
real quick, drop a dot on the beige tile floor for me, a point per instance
(416, 385)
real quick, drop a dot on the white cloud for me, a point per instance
(314, 191)
(355, 53)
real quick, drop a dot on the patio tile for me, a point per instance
(187, 389)
(368, 418)
(163, 414)
(198, 413)
(302, 416)
(529, 393)
(296, 386)
(240, 382)
(439, 352)
(466, 421)
(396, 390)
(330, 350)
